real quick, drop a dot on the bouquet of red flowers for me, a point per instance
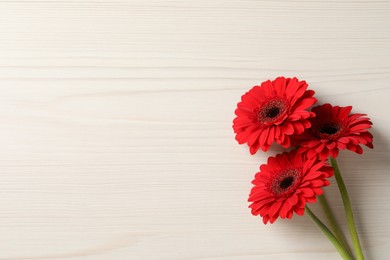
(279, 112)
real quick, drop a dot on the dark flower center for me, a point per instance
(286, 182)
(329, 129)
(272, 112)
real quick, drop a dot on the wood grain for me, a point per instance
(116, 139)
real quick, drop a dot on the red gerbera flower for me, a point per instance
(285, 184)
(273, 112)
(334, 128)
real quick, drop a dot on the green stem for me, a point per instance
(342, 251)
(348, 210)
(333, 223)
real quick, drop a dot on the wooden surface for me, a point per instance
(116, 139)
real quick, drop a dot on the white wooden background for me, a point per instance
(115, 134)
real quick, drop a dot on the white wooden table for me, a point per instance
(116, 139)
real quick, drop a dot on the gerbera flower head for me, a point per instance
(285, 184)
(334, 128)
(272, 112)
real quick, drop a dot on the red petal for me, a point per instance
(324, 154)
(331, 145)
(307, 192)
(299, 129)
(305, 103)
(275, 208)
(341, 145)
(280, 86)
(265, 219)
(343, 112)
(293, 200)
(286, 207)
(359, 128)
(334, 153)
(318, 191)
(288, 129)
(299, 211)
(263, 136)
(268, 89)
(254, 137)
(271, 135)
(253, 149)
(311, 199)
